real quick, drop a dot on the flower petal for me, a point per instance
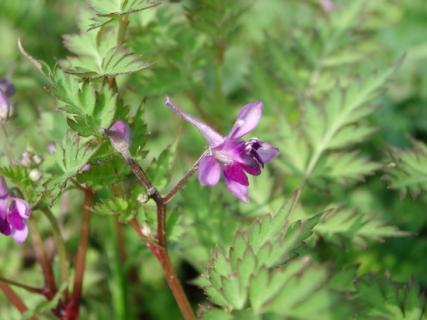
(235, 172)
(266, 152)
(247, 119)
(22, 207)
(213, 137)
(20, 235)
(238, 190)
(15, 220)
(254, 170)
(209, 171)
(4, 227)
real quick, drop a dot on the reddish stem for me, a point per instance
(160, 251)
(50, 284)
(22, 286)
(14, 298)
(72, 308)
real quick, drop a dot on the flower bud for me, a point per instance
(5, 107)
(35, 175)
(119, 134)
(7, 87)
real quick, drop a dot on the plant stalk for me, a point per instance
(40, 252)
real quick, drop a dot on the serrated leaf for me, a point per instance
(111, 206)
(337, 123)
(20, 177)
(408, 171)
(106, 11)
(97, 54)
(345, 166)
(160, 168)
(354, 226)
(255, 271)
(384, 299)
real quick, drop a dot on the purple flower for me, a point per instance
(119, 134)
(13, 213)
(230, 156)
(7, 89)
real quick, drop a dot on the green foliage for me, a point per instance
(106, 11)
(111, 206)
(95, 58)
(260, 270)
(386, 300)
(88, 111)
(408, 170)
(354, 226)
(71, 157)
(20, 177)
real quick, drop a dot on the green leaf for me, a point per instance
(345, 166)
(384, 299)
(337, 124)
(71, 156)
(97, 55)
(355, 226)
(107, 10)
(408, 170)
(260, 270)
(160, 168)
(20, 177)
(88, 110)
(111, 206)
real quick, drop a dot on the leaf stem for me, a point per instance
(40, 252)
(72, 308)
(181, 183)
(60, 244)
(22, 286)
(14, 298)
(161, 251)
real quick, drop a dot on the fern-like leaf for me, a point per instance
(259, 270)
(408, 170)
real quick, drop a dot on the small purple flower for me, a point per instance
(230, 156)
(120, 138)
(7, 89)
(13, 213)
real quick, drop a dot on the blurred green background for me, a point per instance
(213, 64)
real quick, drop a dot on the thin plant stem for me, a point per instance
(161, 251)
(14, 298)
(72, 309)
(124, 21)
(60, 244)
(42, 258)
(181, 183)
(22, 286)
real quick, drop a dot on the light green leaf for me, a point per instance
(107, 10)
(355, 226)
(408, 170)
(384, 299)
(111, 206)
